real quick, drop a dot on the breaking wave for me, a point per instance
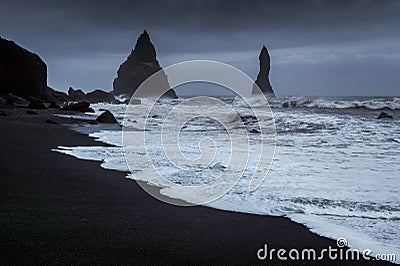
(392, 103)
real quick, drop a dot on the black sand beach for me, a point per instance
(56, 209)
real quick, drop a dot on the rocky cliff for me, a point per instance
(263, 75)
(140, 64)
(21, 72)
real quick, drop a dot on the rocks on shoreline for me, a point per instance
(83, 107)
(24, 74)
(384, 115)
(96, 96)
(106, 117)
(23, 81)
(36, 104)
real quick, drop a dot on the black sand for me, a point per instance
(58, 209)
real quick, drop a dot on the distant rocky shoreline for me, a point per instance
(23, 74)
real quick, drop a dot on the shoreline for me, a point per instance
(59, 209)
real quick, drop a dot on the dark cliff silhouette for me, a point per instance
(22, 73)
(140, 64)
(263, 75)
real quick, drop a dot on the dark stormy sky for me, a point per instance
(316, 47)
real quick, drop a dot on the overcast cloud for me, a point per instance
(317, 47)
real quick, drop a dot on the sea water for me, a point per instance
(336, 167)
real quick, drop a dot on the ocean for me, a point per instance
(336, 167)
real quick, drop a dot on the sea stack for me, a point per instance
(263, 75)
(21, 72)
(140, 64)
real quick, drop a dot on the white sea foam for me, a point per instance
(337, 173)
(391, 103)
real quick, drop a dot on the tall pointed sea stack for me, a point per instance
(140, 64)
(263, 76)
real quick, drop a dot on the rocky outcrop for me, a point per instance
(98, 96)
(263, 75)
(140, 64)
(106, 117)
(78, 107)
(24, 74)
(12, 99)
(36, 104)
(55, 96)
(170, 94)
(21, 72)
(76, 95)
(384, 115)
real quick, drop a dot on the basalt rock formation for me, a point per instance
(21, 72)
(98, 96)
(36, 104)
(12, 99)
(56, 96)
(24, 74)
(76, 95)
(384, 115)
(106, 117)
(263, 75)
(140, 64)
(79, 107)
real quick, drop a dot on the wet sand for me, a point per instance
(58, 209)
